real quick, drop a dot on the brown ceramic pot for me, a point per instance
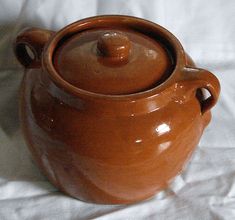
(111, 106)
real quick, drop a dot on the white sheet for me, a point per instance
(206, 188)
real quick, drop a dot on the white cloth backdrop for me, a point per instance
(206, 188)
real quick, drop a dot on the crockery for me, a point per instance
(111, 106)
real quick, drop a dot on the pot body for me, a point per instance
(105, 152)
(104, 158)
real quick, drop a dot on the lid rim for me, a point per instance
(47, 60)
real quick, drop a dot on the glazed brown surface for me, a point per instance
(114, 149)
(113, 61)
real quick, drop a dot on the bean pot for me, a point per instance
(111, 107)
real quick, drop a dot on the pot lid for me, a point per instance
(113, 61)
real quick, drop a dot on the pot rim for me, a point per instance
(98, 21)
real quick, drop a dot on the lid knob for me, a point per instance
(114, 45)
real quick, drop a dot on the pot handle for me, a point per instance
(198, 78)
(29, 45)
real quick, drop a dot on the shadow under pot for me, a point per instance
(111, 106)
